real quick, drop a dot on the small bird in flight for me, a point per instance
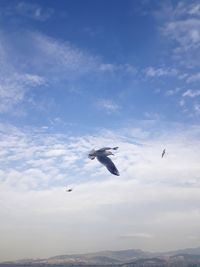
(102, 156)
(69, 190)
(163, 153)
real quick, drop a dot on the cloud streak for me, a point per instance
(108, 106)
(181, 27)
(159, 72)
(45, 61)
(29, 10)
(191, 93)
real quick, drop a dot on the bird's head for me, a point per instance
(92, 154)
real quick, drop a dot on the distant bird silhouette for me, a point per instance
(69, 190)
(102, 156)
(163, 153)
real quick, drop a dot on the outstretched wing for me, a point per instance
(107, 148)
(106, 161)
(103, 149)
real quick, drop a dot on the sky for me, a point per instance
(81, 75)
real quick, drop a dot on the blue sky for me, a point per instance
(77, 75)
(128, 60)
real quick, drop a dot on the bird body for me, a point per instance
(69, 190)
(163, 153)
(102, 156)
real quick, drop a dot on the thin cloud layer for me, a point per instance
(182, 26)
(178, 27)
(28, 10)
(152, 72)
(50, 63)
(152, 194)
(108, 105)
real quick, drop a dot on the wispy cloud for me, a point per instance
(194, 78)
(185, 32)
(181, 26)
(159, 72)
(62, 55)
(147, 199)
(191, 93)
(64, 152)
(73, 61)
(108, 105)
(125, 68)
(152, 116)
(197, 108)
(184, 8)
(15, 83)
(29, 10)
(138, 235)
(14, 87)
(48, 62)
(173, 91)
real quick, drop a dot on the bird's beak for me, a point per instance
(91, 156)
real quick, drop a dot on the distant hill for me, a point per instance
(193, 251)
(121, 258)
(117, 256)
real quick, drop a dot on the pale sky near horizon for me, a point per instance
(77, 75)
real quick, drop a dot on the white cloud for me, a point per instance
(182, 102)
(13, 88)
(124, 68)
(152, 116)
(194, 9)
(183, 9)
(108, 105)
(29, 10)
(29, 79)
(173, 91)
(197, 108)
(49, 61)
(194, 78)
(182, 25)
(159, 72)
(14, 83)
(56, 153)
(151, 198)
(107, 67)
(185, 32)
(69, 60)
(62, 54)
(138, 235)
(191, 93)
(179, 24)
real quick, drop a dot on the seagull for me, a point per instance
(102, 156)
(163, 153)
(69, 190)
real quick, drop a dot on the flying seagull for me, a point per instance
(69, 190)
(102, 156)
(163, 153)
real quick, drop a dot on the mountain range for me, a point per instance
(122, 258)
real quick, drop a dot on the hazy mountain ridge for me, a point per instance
(121, 255)
(122, 258)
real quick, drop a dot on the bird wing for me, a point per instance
(106, 161)
(103, 149)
